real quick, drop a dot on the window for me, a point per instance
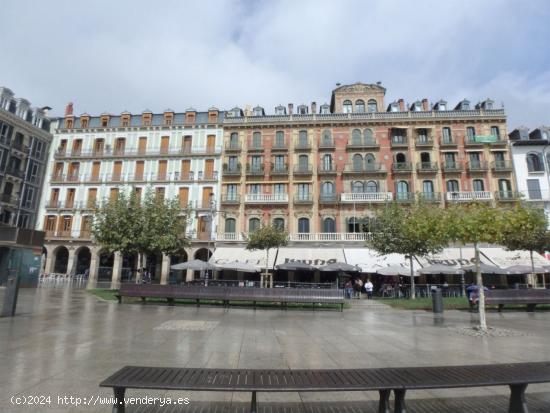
(38, 149)
(325, 109)
(33, 172)
(360, 106)
(428, 187)
(303, 163)
(499, 156)
(302, 138)
(544, 135)
(230, 225)
(372, 187)
(329, 225)
(5, 133)
(369, 137)
(303, 192)
(399, 135)
(402, 190)
(253, 224)
(470, 132)
(372, 106)
(303, 225)
(400, 158)
(280, 110)
(475, 160)
(327, 188)
(447, 136)
(232, 190)
(28, 198)
(255, 189)
(302, 110)
(23, 220)
(353, 225)
(326, 137)
(347, 106)
(279, 223)
(425, 158)
(257, 111)
(495, 131)
(357, 187)
(256, 163)
(357, 162)
(504, 186)
(422, 136)
(534, 162)
(327, 162)
(356, 137)
(234, 140)
(478, 185)
(256, 140)
(452, 186)
(533, 189)
(279, 189)
(279, 139)
(465, 105)
(450, 160)
(232, 163)
(279, 163)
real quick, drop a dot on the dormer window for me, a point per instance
(442, 106)
(258, 111)
(372, 106)
(417, 106)
(125, 120)
(212, 115)
(83, 122)
(104, 121)
(489, 105)
(394, 107)
(302, 110)
(69, 123)
(325, 109)
(545, 135)
(347, 107)
(280, 110)
(360, 106)
(168, 119)
(465, 105)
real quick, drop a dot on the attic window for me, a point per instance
(465, 106)
(146, 119)
(347, 106)
(302, 110)
(442, 106)
(372, 106)
(258, 112)
(104, 121)
(190, 117)
(69, 123)
(280, 110)
(488, 105)
(168, 118)
(325, 110)
(212, 117)
(360, 106)
(125, 121)
(83, 122)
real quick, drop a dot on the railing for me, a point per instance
(234, 170)
(130, 152)
(429, 196)
(469, 196)
(279, 169)
(233, 146)
(230, 198)
(507, 195)
(303, 169)
(260, 198)
(72, 233)
(362, 143)
(20, 147)
(448, 142)
(16, 173)
(426, 167)
(146, 177)
(9, 199)
(452, 167)
(330, 236)
(402, 167)
(504, 165)
(279, 146)
(404, 196)
(255, 146)
(254, 169)
(326, 169)
(302, 146)
(230, 236)
(328, 198)
(374, 167)
(326, 144)
(303, 198)
(207, 176)
(478, 166)
(399, 142)
(366, 197)
(424, 141)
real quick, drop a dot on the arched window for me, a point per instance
(302, 138)
(303, 225)
(372, 106)
(253, 224)
(279, 223)
(230, 225)
(356, 137)
(357, 187)
(360, 106)
(427, 187)
(369, 137)
(370, 162)
(402, 190)
(357, 162)
(329, 225)
(347, 106)
(303, 162)
(400, 158)
(257, 140)
(280, 139)
(327, 188)
(327, 162)
(326, 137)
(452, 186)
(425, 157)
(353, 225)
(372, 187)
(234, 140)
(478, 185)
(534, 162)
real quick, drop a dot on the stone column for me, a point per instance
(165, 270)
(71, 262)
(48, 267)
(189, 275)
(94, 268)
(117, 270)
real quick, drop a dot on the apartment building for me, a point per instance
(24, 146)
(94, 158)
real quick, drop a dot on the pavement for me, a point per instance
(64, 341)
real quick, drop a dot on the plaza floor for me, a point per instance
(63, 342)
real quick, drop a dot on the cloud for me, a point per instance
(113, 56)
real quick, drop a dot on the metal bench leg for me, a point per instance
(517, 399)
(500, 307)
(531, 307)
(119, 298)
(119, 406)
(400, 401)
(253, 404)
(384, 403)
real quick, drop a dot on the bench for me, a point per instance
(384, 380)
(229, 294)
(529, 297)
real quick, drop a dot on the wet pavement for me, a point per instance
(63, 342)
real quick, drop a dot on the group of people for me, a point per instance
(358, 286)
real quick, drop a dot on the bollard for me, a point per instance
(10, 297)
(437, 301)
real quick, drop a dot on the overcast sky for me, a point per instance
(135, 55)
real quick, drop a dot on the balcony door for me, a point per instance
(210, 143)
(185, 169)
(96, 166)
(164, 144)
(209, 169)
(117, 171)
(183, 197)
(303, 225)
(139, 170)
(162, 167)
(142, 145)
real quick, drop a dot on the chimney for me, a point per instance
(313, 108)
(69, 109)
(290, 108)
(401, 105)
(425, 105)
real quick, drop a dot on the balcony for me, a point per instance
(279, 169)
(233, 147)
(507, 196)
(329, 236)
(452, 167)
(265, 198)
(328, 198)
(139, 152)
(472, 141)
(326, 169)
(402, 167)
(426, 167)
(303, 169)
(9, 199)
(302, 146)
(234, 170)
(20, 147)
(447, 143)
(502, 166)
(404, 197)
(358, 144)
(16, 173)
(230, 199)
(255, 147)
(469, 196)
(255, 170)
(399, 142)
(477, 166)
(429, 196)
(326, 144)
(279, 146)
(369, 168)
(424, 142)
(479, 140)
(207, 176)
(229, 236)
(366, 197)
(180, 177)
(303, 199)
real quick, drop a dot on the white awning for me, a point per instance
(257, 258)
(317, 257)
(504, 258)
(453, 257)
(370, 261)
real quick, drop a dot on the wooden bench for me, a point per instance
(528, 297)
(384, 380)
(229, 294)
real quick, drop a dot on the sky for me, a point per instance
(111, 56)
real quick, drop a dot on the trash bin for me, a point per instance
(437, 301)
(10, 297)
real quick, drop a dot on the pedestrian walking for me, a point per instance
(368, 289)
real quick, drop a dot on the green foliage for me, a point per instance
(474, 223)
(525, 228)
(152, 226)
(266, 238)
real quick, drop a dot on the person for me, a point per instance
(368, 288)
(348, 288)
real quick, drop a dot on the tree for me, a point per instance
(475, 223)
(152, 226)
(525, 228)
(415, 231)
(266, 238)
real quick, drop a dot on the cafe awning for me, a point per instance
(317, 257)
(453, 257)
(224, 255)
(370, 261)
(503, 258)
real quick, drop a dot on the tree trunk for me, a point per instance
(266, 277)
(413, 289)
(533, 276)
(138, 272)
(480, 292)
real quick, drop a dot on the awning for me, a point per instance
(499, 256)
(453, 257)
(370, 261)
(224, 255)
(316, 257)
